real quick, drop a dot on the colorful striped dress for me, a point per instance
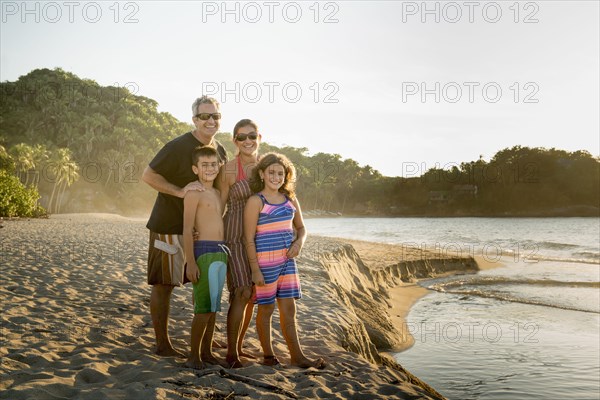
(274, 236)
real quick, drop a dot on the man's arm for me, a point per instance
(159, 183)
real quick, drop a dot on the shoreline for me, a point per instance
(498, 216)
(75, 319)
(356, 296)
(402, 299)
(403, 295)
(136, 217)
(76, 324)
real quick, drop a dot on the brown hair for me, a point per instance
(244, 122)
(288, 188)
(204, 151)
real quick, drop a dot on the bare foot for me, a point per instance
(169, 352)
(242, 353)
(319, 363)
(212, 360)
(233, 362)
(194, 363)
(271, 361)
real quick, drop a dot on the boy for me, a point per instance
(206, 259)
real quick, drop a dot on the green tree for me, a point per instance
(17, 200)
(6, 161)
(65, 172)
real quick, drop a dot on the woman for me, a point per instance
(235, 190)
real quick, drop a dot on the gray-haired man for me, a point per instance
(171, 175)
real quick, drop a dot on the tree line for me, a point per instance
(71, 145)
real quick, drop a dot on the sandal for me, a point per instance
(320, 364)
(271, 361)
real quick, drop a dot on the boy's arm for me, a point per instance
(298, 221)
(251, 212)
(190, 204)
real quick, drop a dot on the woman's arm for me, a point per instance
(223, 183)
(251, 213)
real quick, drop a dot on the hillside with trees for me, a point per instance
(71, 145)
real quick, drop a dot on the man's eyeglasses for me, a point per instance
(240, 137)
(206, 116)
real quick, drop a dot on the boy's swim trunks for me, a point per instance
(211, 259)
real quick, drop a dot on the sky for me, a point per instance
(401, 86)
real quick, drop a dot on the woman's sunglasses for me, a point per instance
(240, 137)
(206, 116)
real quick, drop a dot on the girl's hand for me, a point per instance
(294, 249)
(192, 273)
(257, 278)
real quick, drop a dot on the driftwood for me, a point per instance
(318, 373)
(240, 378)
(180, 383)
(257, 383)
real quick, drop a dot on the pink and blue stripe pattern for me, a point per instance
(274, 236)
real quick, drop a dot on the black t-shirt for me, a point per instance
(174, 163)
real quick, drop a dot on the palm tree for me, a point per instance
(28, 159)
(69, 178)
(39, 155)
(66, 172)
(348, 188)
(23, 155)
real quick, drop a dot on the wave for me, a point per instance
(535, 244)
(469, 286)
(595, 260)
(503, 297)
(588, 254)
(556, 245)
(581, 257)
(500, 280)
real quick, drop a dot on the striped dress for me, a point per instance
(274, 236)
(238, 269)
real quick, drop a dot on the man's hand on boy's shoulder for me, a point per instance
(192, 186)
(194, 195)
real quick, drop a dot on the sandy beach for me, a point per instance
(76, 324)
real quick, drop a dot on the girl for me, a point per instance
(269, 219)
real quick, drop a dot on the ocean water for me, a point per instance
(529, 329)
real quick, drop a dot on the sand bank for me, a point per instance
(75, 321)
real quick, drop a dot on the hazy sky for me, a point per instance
(401, 86)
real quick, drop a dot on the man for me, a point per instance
(171, 175)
